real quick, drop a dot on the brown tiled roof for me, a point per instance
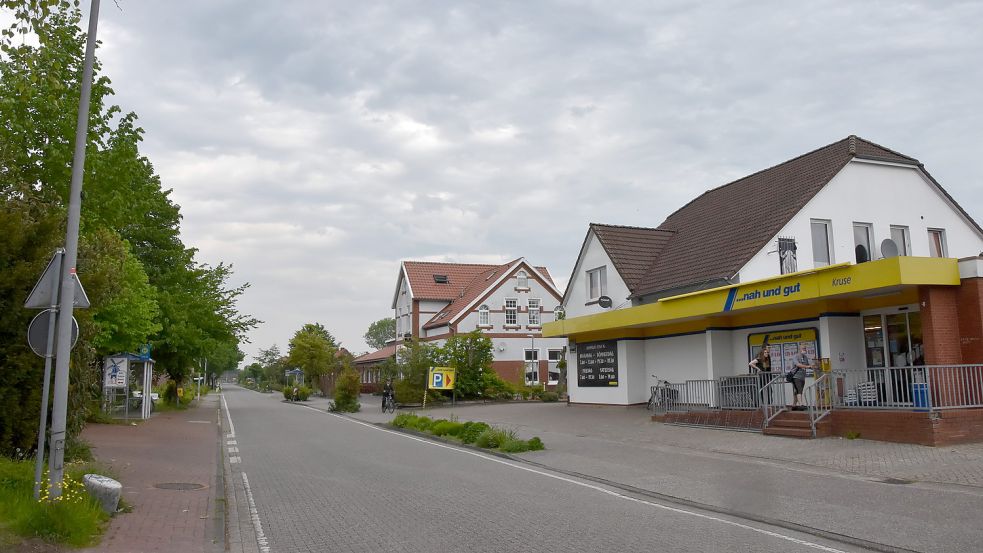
(420, 275)
(718, 232)
(377, 355)
(478, 286)
(631, 249)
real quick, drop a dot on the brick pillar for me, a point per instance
(940, 334)
(970, 297)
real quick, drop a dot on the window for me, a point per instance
(534, 319)
(483, 316)
(820, 243)
(787, 255)
(532, 366)
(936, 242)
(862, 240)
(511, 310)
(597, 283)
(522, 280)
(900, 237)
(399, 326)
(552, 371)
(559, 313)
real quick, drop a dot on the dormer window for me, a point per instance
(441, 279)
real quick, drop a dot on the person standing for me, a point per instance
(762, 365)
(802, 364)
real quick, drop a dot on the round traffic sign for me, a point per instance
(37, 333)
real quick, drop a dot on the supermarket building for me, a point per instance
(852, 250)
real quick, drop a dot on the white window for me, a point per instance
(821, 255)
(863, 238)
(936, 242)
(511, 310)
(483, 316)
(901, 239)
(597, 283)
(534, 319)
(552, 371)
(522, 280)
(399, 326)
(532, 366)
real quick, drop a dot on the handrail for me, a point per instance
(820, 408)
(767, 407)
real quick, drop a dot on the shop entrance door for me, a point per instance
(894, 351)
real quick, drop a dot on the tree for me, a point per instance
(312, 348)
(415, 361)
(380, 333)
(273, 362)
(471, 355)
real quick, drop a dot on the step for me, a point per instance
(791, 423)
(788, 432)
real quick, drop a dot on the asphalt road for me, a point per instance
(320, 482)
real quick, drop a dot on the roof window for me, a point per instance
(441, 279)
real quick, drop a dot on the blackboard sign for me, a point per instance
(597, 364)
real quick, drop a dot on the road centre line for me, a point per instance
(606, 491)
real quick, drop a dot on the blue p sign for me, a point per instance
(438, 380)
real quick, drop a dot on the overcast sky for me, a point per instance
(316, 144)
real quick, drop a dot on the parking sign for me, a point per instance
(441, 378)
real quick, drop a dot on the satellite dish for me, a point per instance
(501, 346)
(604, 301)
(889, 248)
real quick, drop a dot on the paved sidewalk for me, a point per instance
(176, 448)
(559, 425)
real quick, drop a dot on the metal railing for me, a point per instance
(923, 387)
(819, 400)
(729, 392)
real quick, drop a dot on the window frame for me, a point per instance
(551, 365)
(869, 230)
(828, 226)
(513, 311)
(538, 310)
(904, 248)
(943, 247)
(522, 280)
(529, 363)
(602, 282)
(484, 316)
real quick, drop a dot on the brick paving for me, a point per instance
(956, 464)
(171, 447)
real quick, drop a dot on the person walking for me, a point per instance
(798, 376)
(762, 365)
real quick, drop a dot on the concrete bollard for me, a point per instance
(105, 490)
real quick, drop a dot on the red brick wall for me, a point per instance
(940, 325)
(970, 298)
(957, 426)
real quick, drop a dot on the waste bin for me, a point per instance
(919, 394)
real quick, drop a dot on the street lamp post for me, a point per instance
(533, 364)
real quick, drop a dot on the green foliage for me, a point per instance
(536, 444)
(404, 420)
(852, 435)
(414, 361)
(444, 428)
(76, 520)
(380, 332)
(514, 445)
(422, 424)
(549, 396)
(494, 387)
(346, 391)
(494, 437)
(471, 355)
(313, 350)
(472, 430)
(170, 393)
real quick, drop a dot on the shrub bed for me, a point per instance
(478, 433)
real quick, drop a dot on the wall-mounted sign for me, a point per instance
(597, 364)
(784, 346)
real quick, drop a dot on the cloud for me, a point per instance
(314, 145)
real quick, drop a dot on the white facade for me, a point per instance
(881, 195)
(577, 301)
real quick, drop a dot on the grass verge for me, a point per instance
(478, 433)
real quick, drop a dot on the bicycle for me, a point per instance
(388, 404)
(661, 395)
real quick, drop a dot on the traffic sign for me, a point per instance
(37, 333)
(42, 294)
(441, 378)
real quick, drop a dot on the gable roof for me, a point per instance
(717, 233)
(377, 355)
(482, 283)
(420, 275)
(632, 250)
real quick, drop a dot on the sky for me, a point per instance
(316, 144)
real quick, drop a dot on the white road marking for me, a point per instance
(606, 491)
(232, 428)
(231, 442)
(234, 459)
(264, 544)
(233, 450)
